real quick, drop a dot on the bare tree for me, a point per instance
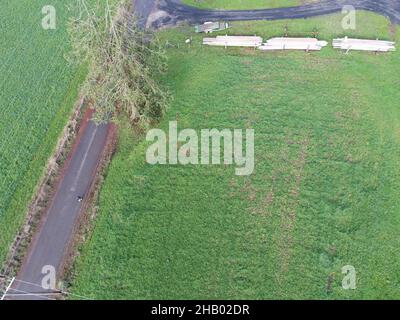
(124, 63)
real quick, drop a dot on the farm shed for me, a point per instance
(363, 45)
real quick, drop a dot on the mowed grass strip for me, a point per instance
(242, 4)
(324, 193)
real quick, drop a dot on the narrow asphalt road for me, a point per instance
(172, 12)
(143, 9)
(50, 245)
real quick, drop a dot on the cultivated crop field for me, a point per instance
(324, 193)
(242, 4)
(38, 90)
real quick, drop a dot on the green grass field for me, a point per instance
(38, 91)
(242, 4)
(324, 193)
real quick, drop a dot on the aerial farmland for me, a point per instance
(257, 162)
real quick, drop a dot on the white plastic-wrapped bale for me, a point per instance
(363, 45)
(234, 41)
(307, 44)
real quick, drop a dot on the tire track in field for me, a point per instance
(288, 214)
